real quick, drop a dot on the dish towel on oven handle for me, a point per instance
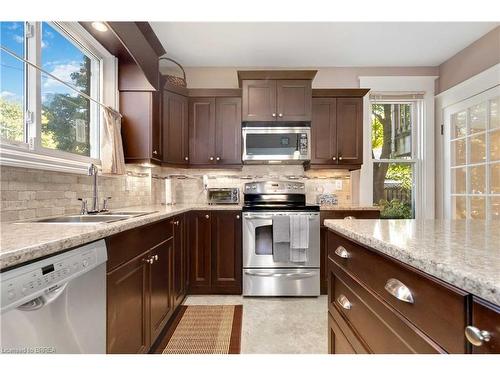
(281, 239)
(299, 238)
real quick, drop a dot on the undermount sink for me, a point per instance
(103, 217)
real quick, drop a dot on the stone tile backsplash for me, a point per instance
(31, 193)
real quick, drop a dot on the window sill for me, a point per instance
(23, 158)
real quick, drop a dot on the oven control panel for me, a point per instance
(275, 187)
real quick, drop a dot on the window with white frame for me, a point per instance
(39, 114)
(395, 120)
(473, 157)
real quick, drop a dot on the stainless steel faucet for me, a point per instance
(93, 171)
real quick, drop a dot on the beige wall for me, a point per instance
(475, 58)
(327, 77)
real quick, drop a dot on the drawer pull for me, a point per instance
(342, 252)
(344, 302)
(349, 218)
(399, 290)
(475, 336)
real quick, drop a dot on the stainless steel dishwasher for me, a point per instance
(56, 305)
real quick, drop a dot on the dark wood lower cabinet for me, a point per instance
(146, 282)
(363, 313)
(215, 252)
(161, 286)
(128, 307)
(336, 214)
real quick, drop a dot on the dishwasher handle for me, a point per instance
(45, 299)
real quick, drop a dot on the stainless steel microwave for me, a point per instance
(268, 145)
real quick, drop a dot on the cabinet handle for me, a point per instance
(186, 158)
(274, 114)
(344, 302)
(207, 216)
(476, 336)
(148, 260)
(280, 115)
(237, 216)
(156, 257)
(155, 152)
(349, 218)
(211, 158)
(334, 158)
(340, 157)
(342, 252)
(176, 222)
(399, 290)
(217, 158)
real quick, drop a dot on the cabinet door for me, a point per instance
(226, 252)
(180, 260)
(136, 108)
(228, 131)
(324, 131)
(202, 131)
(156, 127)
(128, 307)
(259, 100)
(175, 128)
(199, 251)
(350, 130)
(323, 265)
(294, 99)
(337, 342)
(161, 287)
(486, 317)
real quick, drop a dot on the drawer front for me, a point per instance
(338, 343)
(485, 327)
(341, 214)
(431, 298)
(126, 245)
(280, 282)
(377, 324)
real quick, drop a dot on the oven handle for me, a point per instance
(295, 275)
(263, 217)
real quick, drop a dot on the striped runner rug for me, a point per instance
(206, 329)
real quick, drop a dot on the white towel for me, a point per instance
(299, 238)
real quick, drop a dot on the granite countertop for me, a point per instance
(24, 241)
(464, 253)
(348, 207)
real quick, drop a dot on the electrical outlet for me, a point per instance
(338, 184)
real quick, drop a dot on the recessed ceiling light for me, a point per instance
(100, 26)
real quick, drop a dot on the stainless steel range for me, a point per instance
(281, 249)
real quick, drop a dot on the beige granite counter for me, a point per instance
(464, 253)
(348, 207)
(24, 241)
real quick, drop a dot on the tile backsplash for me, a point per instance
(31, 193)
(191, 189)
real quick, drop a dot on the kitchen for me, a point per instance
(246, 198)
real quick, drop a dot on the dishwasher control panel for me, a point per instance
(24, 283)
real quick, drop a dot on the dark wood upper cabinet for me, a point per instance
(259, 100)
(228, 131)
(294, 100)
(324, 131)
(161, 297)
(215, 131)
(226, 252)
(199, 245)
(175, 128)
(337, 129)
(141, 126)
(276, 100)
(128, 308)
(202, 131)
(350, 130)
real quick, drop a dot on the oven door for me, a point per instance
(258, 241)
(276, 144)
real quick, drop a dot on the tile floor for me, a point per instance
(278, 325)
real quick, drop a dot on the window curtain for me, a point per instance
(112, 158)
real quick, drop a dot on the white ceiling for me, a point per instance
(307, 44)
